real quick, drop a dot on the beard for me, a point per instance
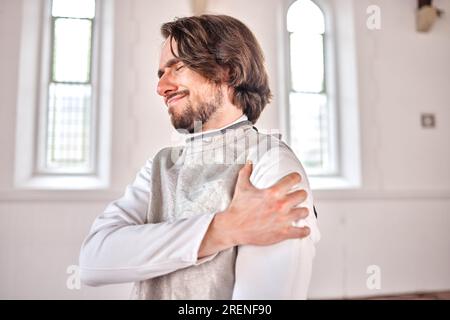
(192, 119)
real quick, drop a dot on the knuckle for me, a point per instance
(284, 206)
(281, 206)
(282, 219)
(273, 207)
(285, 232)
(272, 193)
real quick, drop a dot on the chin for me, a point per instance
(181, 124)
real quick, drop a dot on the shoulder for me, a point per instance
(278, 161)
(168, 155)
(266, 145)
(274, 159)
(162, 157)
(272, 156)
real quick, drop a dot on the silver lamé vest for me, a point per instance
(195, 179)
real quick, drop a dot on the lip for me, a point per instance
(175, 99)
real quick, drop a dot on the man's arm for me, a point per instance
(282, 270)
(274, 256)
(122, 247)
(257, 216)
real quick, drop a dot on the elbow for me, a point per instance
(90, 278)
(89, 274)
(95, 272)
(87, 280)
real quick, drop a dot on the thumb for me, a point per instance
(245, 173)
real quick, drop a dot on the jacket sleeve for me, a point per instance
(122, 247)
(282, 270)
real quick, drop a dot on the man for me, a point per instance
(227, 215)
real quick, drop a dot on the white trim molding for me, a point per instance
(382, 195)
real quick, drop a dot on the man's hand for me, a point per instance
(257, 216)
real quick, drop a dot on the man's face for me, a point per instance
(191, 99)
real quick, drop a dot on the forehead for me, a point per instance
(166, 52)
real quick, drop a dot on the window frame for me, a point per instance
(47, 79)
(34, 81)
(341, 87)
(328, 87)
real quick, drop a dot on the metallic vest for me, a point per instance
(195, 179)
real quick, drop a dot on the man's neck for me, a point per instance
(202, 132)
(222, 118)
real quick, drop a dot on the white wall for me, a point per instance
(399, 220)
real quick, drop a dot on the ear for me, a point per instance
(225, 74)
(230, 93)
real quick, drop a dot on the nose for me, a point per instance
(166, 85)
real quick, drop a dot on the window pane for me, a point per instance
(73, 8)
(72, 50)
(307, 62)
(68, 126)
(306, 17)
(310, 130)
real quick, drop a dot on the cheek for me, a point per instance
(203, 92)
(197, 93)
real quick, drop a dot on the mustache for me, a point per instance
(183, 92)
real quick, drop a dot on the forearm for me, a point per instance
(219, 236)
(128, 253)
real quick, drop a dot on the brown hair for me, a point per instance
(214, 44)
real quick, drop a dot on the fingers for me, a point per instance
(293, 216)
(286, 183)
(245, 173)
(298, 233)
(296, 197)
(297, 214)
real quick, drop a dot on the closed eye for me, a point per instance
(169, 64)
(161, 73)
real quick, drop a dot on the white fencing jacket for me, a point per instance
(152, 234)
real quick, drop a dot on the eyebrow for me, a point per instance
(168, 64)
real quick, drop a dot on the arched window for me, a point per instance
(310, 116)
